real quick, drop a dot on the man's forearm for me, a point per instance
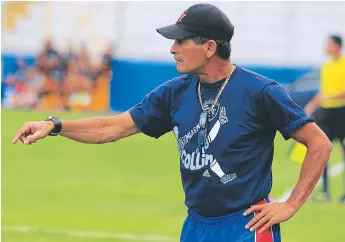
(88, 130)
(313, 104)
(337, 97)
(99, 130)
(312, 168)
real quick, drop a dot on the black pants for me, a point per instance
(332, 122)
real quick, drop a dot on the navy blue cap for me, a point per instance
(203, 20)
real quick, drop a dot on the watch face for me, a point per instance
(57, 125)
(51, 118)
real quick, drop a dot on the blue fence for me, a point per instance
(132, 80)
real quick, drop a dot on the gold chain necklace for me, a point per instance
(219, 93)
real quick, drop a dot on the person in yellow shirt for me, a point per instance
(328, 105)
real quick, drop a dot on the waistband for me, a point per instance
(231, 217)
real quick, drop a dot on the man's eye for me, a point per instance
(179, 41)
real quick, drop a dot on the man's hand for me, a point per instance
(266, 215)
(314, 104)
(30, 132)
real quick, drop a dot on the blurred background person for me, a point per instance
(15, 84)
(53, 65)
(31, 95)
(78, 85)
(328, 106)
(24, 87)
(87, 72)
(106, 63)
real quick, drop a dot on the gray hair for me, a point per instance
(223, 47)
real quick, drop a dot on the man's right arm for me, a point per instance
(151, 116)
(99, 130)
(96, 130)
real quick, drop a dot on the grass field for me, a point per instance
(129, 190)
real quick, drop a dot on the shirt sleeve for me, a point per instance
(152, 114)
(280, 111)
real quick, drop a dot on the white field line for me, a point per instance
(89, 234)
(334, 171)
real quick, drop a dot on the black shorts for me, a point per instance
(331, 121)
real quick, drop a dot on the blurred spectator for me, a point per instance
(51, 62)
(80, 80)
(87, 72)
(328, 106)
(24, 87)
(30, 96)
(20, 75)
(58, 80)
(54, 64)
(69, 56)
(106, 65)
(15, 84)
(75, 80)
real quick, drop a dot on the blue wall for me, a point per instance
(132, 80)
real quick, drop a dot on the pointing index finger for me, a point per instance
(19, 134)
(16, 138)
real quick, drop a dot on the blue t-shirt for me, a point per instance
(233, 171)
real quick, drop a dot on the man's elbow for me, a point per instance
(325, 146)
(329, 147)
(315, 140)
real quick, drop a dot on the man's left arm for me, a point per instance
(319, 148)
(318, 152)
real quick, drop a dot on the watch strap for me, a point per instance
(57, 125)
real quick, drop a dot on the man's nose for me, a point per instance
(173, 48)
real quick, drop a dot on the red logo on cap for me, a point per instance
(181, 17)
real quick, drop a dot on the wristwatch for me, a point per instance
(57, 125)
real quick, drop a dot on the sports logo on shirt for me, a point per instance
(206, 173)
(200, 158)
(212, 113)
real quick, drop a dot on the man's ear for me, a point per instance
(210, 48)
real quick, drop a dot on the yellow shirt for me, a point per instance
(333, 82)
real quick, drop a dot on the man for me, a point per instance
(328, 106)
(106, 65)
(52, 63)
(225, 119)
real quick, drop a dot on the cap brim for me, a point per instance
(174, 32)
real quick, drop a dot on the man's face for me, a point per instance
(190, 57)
(332, 48)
